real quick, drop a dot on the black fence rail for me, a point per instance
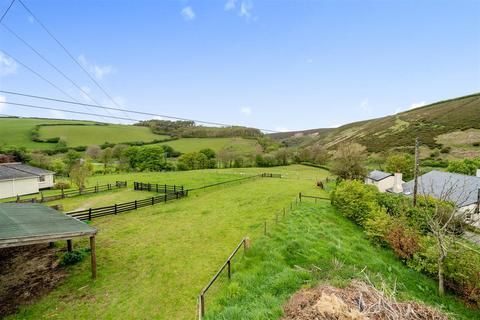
(72, 193)
(159, 188)
(270, 175)
(316, 198)
(89, 214)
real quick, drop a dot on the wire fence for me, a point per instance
(261, 175)
(246, 243)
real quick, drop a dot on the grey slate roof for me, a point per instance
(7, 173)
(378, 175)
(458, 188)
(27, 168)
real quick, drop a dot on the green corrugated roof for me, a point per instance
(18, 220)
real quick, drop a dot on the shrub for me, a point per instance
(355, 200)
(446, 150)
(61, 185)
(378, 225)
(476, 144)
(403, 240)
(70, 258)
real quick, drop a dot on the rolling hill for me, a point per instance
(434, 124)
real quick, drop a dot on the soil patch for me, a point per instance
(358, 301)
(26, 274)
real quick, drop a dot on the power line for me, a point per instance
(45, 79)
(70, 55)
(63, 110)
(6, 11)
(50, 63)
(126, 110)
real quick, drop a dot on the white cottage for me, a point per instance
(385, 181)
(21, 179)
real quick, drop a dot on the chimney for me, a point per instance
(397, 183)
(478, 173)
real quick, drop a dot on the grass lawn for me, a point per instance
(195, 144)
(16, 132)
(88, 135)
(153, 262)
(316, 245)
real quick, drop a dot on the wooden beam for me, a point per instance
(93, 254)
(69, 245)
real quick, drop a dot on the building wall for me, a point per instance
(383, 184)
(475, 217)
(12, 188)
(47, 183)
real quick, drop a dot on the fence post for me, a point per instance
(165, 197)
(153, 201)
(265, 228)
(109, 186)
(164, 188)
(90, 214)
(246, 244)
(96, 189)
(174, 188)
(63, 193)
(202, 305)
(41, 196)
(229, 269)
(135, 204)
(156, 185)
(115, 208)
(300, 196)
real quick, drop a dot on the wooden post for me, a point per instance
(164, 188)
(69, 245)
(153, 201)
(165, 197)
(90, 214)
(63, 193)
(477, 210)
(247, 243)
(96, 189)
(156, 185)
(135, 204)
(416, 171)
(93, 257)
(202, 305)
(265, 228)
(229, 269)
(300, 196)
(115, 208)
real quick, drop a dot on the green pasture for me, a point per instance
(317, 245)
(16, 132)
(195, 144)
(89, 135)
(153, 262)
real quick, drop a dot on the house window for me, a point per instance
(42, 178)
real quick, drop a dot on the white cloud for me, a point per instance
(246, 9)
(230, 5)
(188, 13)
(281, 129)
(417, 105)
(246, 111)
(7, 65)
(3, 106)
(98, 71)
(364, 106)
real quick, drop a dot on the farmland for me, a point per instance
(195, 144)
(97, 134)
(153, 261)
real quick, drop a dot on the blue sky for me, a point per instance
(270, 64)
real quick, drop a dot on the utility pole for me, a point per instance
(416, 171)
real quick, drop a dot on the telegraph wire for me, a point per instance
(127, 110)
(6, 11)
(70, 55)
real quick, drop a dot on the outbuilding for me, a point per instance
(17, 179)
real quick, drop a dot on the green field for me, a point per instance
(195, 144)
(153, 262)
(333, 251)
(88, 135)
(16, 132)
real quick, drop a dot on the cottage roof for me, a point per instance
(458, 188)
(378, 175)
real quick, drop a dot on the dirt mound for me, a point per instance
(358, 301)
(27, 273)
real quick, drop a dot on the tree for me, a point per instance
(80, 172)
(283, 156)
(193, 161)
(106, 157)
(319, 154)
(403, 163)
(117, 150)
(209, 153)
(466, 166)
(70, 159)
(93, 151)
(348, 161)
(40, 160)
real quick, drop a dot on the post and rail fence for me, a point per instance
(72, 193)
(159, 188)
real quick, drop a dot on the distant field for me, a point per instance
(88, 135)
(196, 144)
(14, 131)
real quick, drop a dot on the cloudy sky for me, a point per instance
(281, 65)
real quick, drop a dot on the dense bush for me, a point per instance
(62, 185)
(194, 161)
(70, 258)
(466, 166)
(147, 158)
(391, 220)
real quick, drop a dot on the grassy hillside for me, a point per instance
(16, 131)
(400, 130)
(95, 134)
(195, 144)
(153, 262)
(333, 251)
